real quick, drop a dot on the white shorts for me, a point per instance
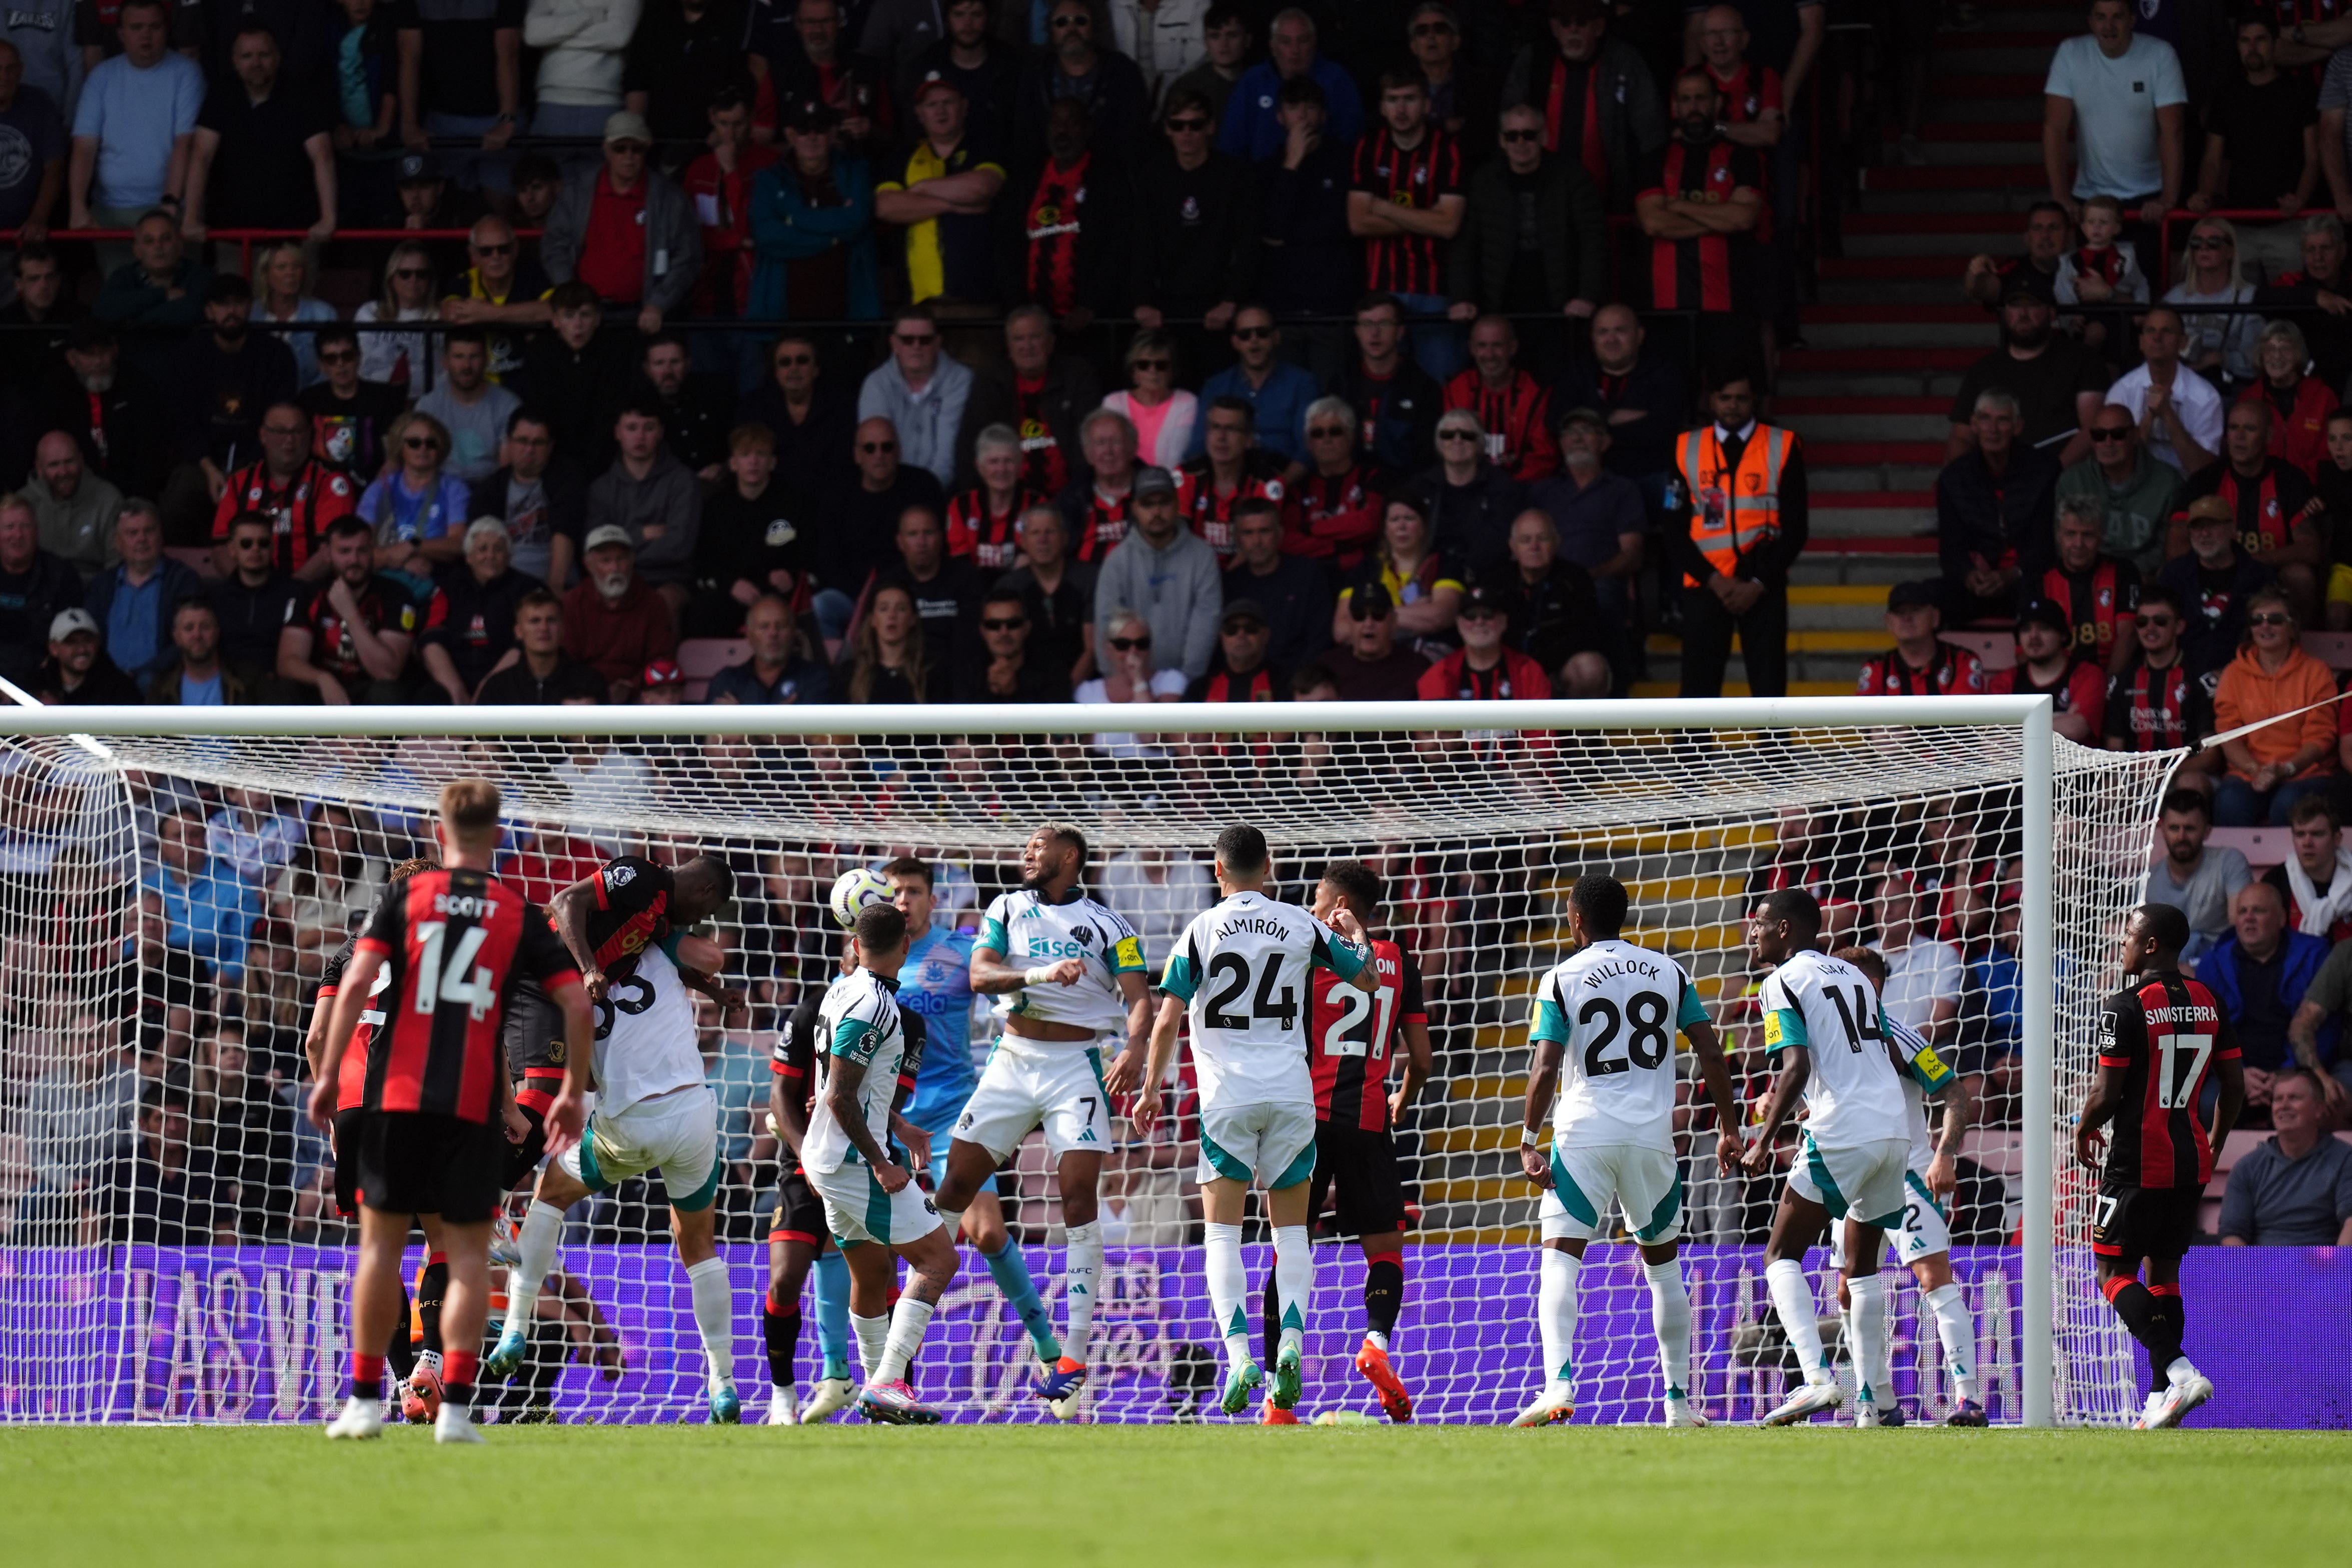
(1023, 1086)
(857, 1209)
(1273, 1145)
(1645, 1181)
(1924, 1231)
(676, 1133)
(1865, 1181)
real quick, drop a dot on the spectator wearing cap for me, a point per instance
(625, 228)
(2214, 582)
(537, 672)
(1990, 281)
(2179, 412)
(132, 601)
(1919, 664)
(134, 125)
(922, 391)
(944, 196)
(1168, 575)
(653, 498)
(1240, 673)
(1557, 264)
(1993, 514)
(582, 55)
(1009, 669)
(35, 588)
(427, 197)
(614, 621)
(1484, 666)
(2057, 383)
(1066, 226)
(1197, 251)
(2138, 496)
(1744, 516)
(2279, 516)
(685, 57)
(1371, 665)
(2294, 1188)
(1308, 266)
(476, 631)
(2046, 666)
(812, 218)
(263, 156)
(1293, 593)
(2274, 766)
(77, 674)
(980, 65)
(661, 685)
(1555, 616)
(1472, 500)
(1253, 128)
(2119, 98)
(1587, 82)
(779, 669)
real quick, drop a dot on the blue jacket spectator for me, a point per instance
(786, 228)
(207, 913)
(1251, 129)
(1279, 401)
(133, 599)
(2261, 973)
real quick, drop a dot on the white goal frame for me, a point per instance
(2031, 716)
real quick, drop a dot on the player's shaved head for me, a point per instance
(881, 930)
(1358, 885)
(1600, 902)
(703, 885)
(1869, 960)
(469, 810)
(2167, 924)
(1800, 910)
(1241, 850)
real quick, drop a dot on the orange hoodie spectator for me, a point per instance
(2273, 767)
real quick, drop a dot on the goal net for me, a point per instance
(171, 1246)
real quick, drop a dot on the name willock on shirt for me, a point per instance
(1612, 969)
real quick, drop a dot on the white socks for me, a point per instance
(542, 1232)
(1227, 1287)
(1873, 1365)
(1670, 1318)
(954, 1220)
(1294, 1281)
(1958, 1330)
(714, 1316)
(1792, 1299)
(908, 1322)
(1082, 1268)
(873, 1337)
(1556, 1315)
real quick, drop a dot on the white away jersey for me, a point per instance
(858, 1022)
(1243, 968)
(1032, 933)
(1924, 1074)
(645, 1039)
(1617, 1008)
(1853, 1096)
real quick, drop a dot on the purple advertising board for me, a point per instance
(259, 1333)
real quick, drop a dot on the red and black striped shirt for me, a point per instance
(633, 896)
(2150, 709)
(1055, 215)
(1212, 514)
(1708, 272)
(1955, 672)
(1100, 525)
(990, 537)
(2102, 603)
(1415, 177)
(451, 940)
(2165, 1033)
(1352, 1036)
(1337, 516)
(1517, 422)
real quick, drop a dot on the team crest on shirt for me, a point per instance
(780, 533)
(620, 876)
(1191, 211)
(1084, 936)
(2270, 508)
(2106, 597)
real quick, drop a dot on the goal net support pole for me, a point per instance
(1737, 778)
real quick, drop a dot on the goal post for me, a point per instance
(1482, 812)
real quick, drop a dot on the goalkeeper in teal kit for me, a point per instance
(936, 983)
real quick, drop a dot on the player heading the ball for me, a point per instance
(1242, 973)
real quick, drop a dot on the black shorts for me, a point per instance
(2145, 1221)
(417, 1161)
(523, 1157)
(800, 1213)
(532, 1036)
(347, 1162)
(1363, 1166)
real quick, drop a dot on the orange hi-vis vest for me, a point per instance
(1732, 513)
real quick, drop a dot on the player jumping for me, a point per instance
(1603, 1032)
(2161, 1039)
(1068, 974)
(1238, 972)
(1822, 1017)
(430, 1143)
(1924, 1239)
(1351, 1037)
(871, 1203)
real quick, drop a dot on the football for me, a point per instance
(855, 890)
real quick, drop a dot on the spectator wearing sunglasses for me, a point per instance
(1163, 413)
(1277, 391)
(1009, 672)
(922, 391)
(1077, 67)
(2273, 766)
(1373, 666)
(2155, 703)
(349, 414)
(502, 288)
(1535, 239)
(1198, 252)
(2136, 494)
(814, 421)
(857, 523)
(623, 227)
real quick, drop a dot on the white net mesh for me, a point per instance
(168, 903)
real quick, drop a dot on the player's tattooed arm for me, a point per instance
(1796, 1070)
(1127, 1067)
(1145, 1112)
(841, 1086)
(1351, 930)
(1716, 1072)
(1943, 1166)
(1543, 1084)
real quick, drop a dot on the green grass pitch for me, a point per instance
(1215, 1495)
